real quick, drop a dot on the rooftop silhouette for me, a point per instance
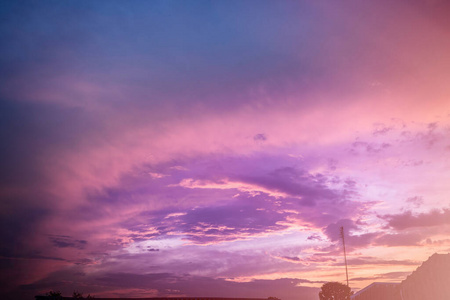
(431, 280)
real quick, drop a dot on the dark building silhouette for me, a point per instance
(378, 290)
(430, 281)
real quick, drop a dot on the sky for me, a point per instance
(215, 148)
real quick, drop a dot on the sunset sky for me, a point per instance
(214, 148)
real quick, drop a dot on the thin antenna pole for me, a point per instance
(345, 255)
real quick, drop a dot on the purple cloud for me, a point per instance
(381, 129)
(260, 137)
(417, 201)
(247, 201)
(239, 218)
(371, 148)
(62, 241)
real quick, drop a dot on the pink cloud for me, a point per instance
(399, 239)
(407, 219)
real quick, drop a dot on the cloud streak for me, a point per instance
(407, 219)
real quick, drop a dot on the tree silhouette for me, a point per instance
(54, 294)
(334, 291)
(77, 295)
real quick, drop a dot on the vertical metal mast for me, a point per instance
(345, 255)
